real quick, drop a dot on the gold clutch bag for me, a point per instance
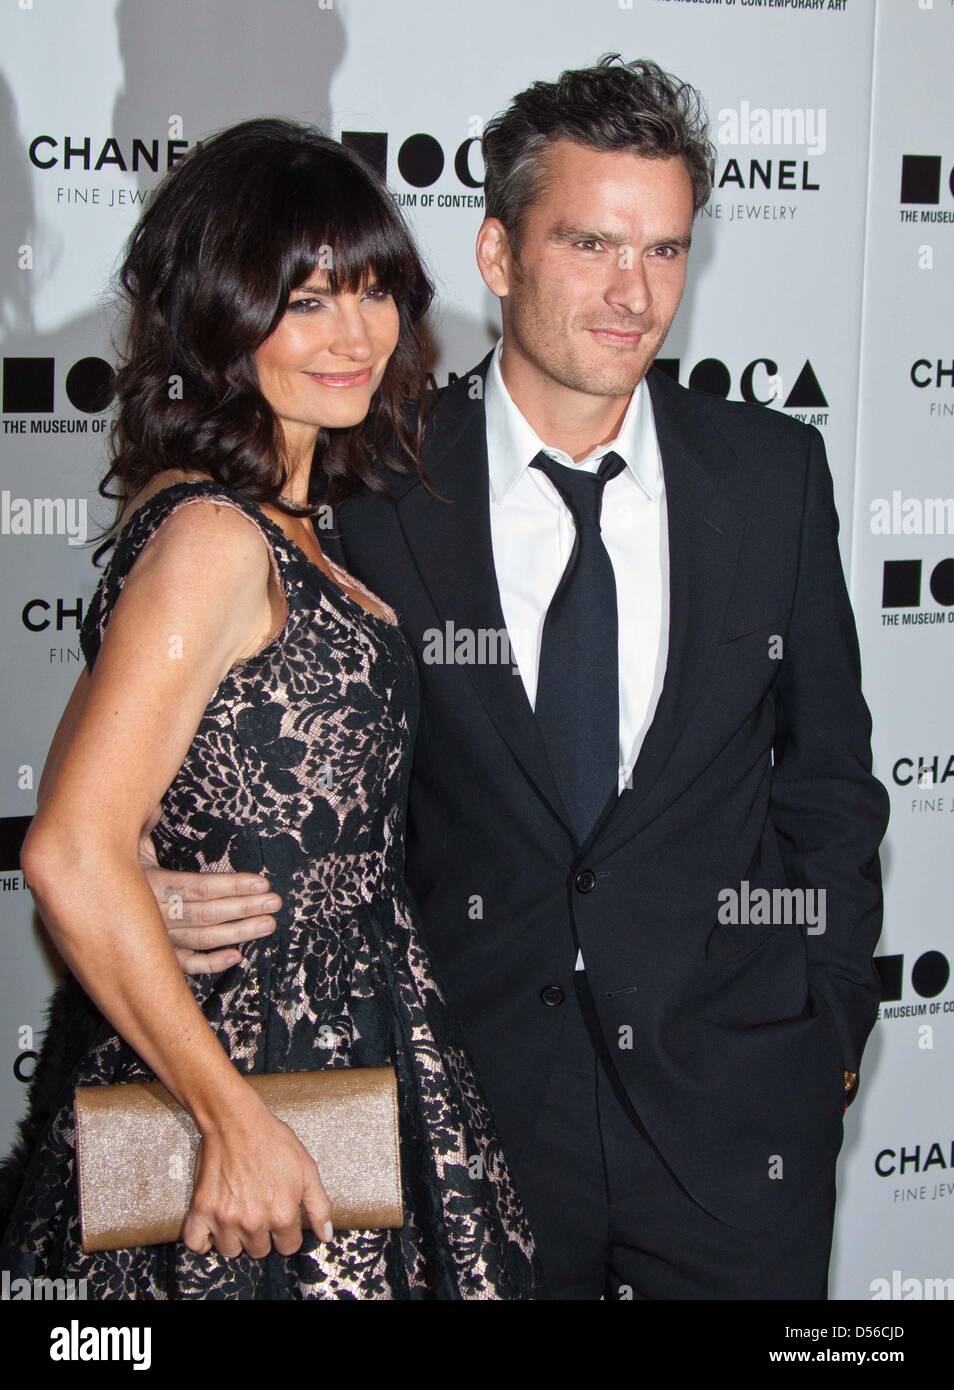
(136, 1148)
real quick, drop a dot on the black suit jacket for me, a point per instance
(730, 1040)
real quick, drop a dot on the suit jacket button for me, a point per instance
(552, 995)
(585, 881)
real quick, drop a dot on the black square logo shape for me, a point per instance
(890, 970)
(901, 586)
(13, 831)
(920, 178)
(372, 145)
(28, 385)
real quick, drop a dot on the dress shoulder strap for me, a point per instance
(143, 525)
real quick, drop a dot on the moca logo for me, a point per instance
(420, 158)
(29, 383)
(901, 583)
(929, 975)
(760, 382)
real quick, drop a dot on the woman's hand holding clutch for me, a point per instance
(255, 1184)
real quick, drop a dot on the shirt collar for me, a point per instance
(512, 443)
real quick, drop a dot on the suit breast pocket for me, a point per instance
(765, 643)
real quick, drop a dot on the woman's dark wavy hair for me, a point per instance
(226, 236)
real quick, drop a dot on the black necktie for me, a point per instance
(577, 704)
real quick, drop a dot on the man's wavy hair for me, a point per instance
(612, 106)
(226, 236)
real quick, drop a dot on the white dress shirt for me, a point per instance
(532, 532)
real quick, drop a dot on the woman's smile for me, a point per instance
(341, 379)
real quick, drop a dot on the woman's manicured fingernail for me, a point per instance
(327, 1231)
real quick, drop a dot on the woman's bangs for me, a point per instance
(348, 236)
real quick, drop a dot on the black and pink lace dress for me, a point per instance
(300, 769)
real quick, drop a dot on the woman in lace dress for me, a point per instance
(267, 702)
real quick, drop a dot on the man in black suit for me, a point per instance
(643, 827)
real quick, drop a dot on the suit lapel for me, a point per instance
(453, 550)
(705, 530)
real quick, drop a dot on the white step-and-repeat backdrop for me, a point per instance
(820, 285)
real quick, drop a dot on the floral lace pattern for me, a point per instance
(299, 768)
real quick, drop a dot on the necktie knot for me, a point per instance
(581, 490)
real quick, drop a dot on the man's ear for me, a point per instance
(494, 256)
